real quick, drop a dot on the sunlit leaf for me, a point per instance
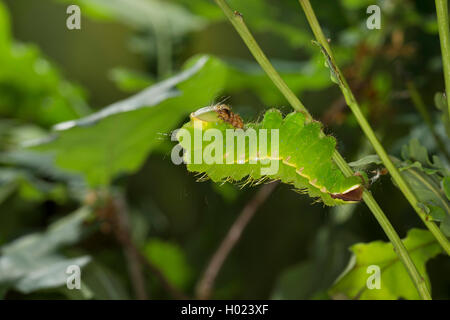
(395, 280)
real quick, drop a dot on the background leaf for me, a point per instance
(118, 138)
(169, 258)
(395, 281)
(31, 262)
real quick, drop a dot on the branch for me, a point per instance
(118, 219)
(206, 283)
(123, 234)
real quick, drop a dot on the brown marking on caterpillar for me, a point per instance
(224, 113)
(352, 195)
(237, 14)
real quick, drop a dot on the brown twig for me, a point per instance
(123, 235)
(115, 218)
(206, 283)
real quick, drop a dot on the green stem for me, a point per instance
(420, 106)
(365, 126)
(238, 23)
(442, 19)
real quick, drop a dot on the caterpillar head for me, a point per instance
(216, 113)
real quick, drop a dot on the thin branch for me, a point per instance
(119, 221)
(206, 283)
(123, 235)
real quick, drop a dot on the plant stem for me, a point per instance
(420, 106)
(123, 235)
(442, 19)
(119, 221)
(238, 23)
(365, 126)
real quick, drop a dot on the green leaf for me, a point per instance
(311, 278)
(445, 225)
(35, 178)
(395, 281)
(31, 262)
(129, 80)
(228, 192)
(51, 275)
(425, 177)
(446, 186)
(334, 74)
(170, 259)
(118, 138)
(441, 103)
(143, 14)
(366, 161)
(414, 151)
(5, 32)
(29, 186)
(31, 88)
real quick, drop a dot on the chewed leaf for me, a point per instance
(290, 149)
(428, 179)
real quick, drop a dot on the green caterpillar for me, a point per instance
(295, 147)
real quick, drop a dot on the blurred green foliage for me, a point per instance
(31, 89)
